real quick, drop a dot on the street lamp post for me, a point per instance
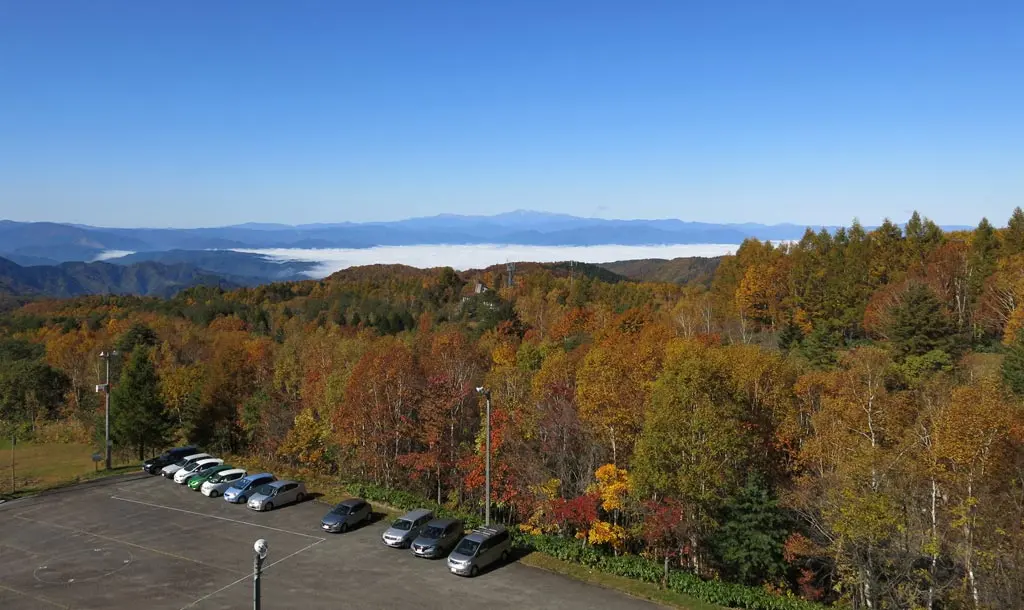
(107, 355)
(259, 554)
(487, 467)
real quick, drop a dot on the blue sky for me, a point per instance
(209, 113)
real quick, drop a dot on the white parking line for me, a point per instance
(192, 512)
(249, 577)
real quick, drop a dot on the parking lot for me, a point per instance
(143, 542)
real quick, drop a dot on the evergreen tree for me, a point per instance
(749, 543)
(790, 336)
(138, 417)
(1013, 366)
(821, 345)
(138, 334)
(919, 324)
(1013, 238)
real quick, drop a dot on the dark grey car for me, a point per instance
(347, 515)
(438, 538)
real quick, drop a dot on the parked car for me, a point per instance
(155, 465)
(195, 483)
(406, 528)
(346, 515)
(438, 538)
(218, 483)
(479, 549)
(239, 492)
(182, 476)
(278, 493)
(171, 469)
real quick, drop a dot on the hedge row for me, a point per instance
(630, 566)
(635, 567)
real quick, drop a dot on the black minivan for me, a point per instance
(155, 465)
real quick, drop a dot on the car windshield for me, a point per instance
(191, 466)
(265, 490)
(433, 532)
(467, 547)
(216, 478)
(181, 462)
(342, 509)
(402, 524)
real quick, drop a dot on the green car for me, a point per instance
(195, 483)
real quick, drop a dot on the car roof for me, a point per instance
(351, 502)
(483, 533)
(416, 514)
(232, 471)
(210, 459)
(441, 522)
(280, 483)
(196, 456)
(257, 475)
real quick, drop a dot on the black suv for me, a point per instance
(155, 465)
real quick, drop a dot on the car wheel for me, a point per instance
(504, 556)
(474, 571)
(242, 499)
(214, 494)
(368, 517)
(299, 498)
(270, 506)
(343, 528)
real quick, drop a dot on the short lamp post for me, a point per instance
(487, 467)
(105, 388)
(259, 554)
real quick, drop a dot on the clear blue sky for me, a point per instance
(191, 113)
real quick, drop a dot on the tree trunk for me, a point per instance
(935, 550)
(14, 485)
(664, 577)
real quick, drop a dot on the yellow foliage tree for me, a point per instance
(602, 532)
(613, 486)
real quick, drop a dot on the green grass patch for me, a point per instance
(629, 586)
(38, 467)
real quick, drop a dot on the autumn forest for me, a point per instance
(837, 419)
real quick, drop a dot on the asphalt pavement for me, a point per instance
(144, 542)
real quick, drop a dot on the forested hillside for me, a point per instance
(839, 418)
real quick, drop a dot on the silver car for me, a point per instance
(221, 482)
(406, 528)
(437, 538)
(169, 470)
(278, 493)
(347, 515)
(482, 547)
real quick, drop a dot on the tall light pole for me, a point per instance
(259, 554)
(487, 471)
(107, 355)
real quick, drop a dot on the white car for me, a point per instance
(169, 471)
(197, 467)
(220, 482)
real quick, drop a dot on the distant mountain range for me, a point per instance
(45, 243)
(76, 278)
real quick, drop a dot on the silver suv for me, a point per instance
(479, 549)
(438, 538)
(406, 528)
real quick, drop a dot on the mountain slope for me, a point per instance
(240, 267)
(676, 271)
(77, 278)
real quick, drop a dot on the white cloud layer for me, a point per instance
(477, 256)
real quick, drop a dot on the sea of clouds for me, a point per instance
(476, 256)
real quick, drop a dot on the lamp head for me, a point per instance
(261, 548)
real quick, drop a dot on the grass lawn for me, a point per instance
(629, 586)
(43, 466)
